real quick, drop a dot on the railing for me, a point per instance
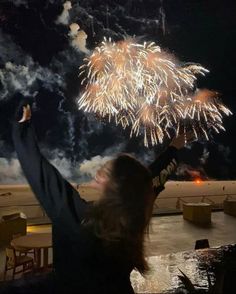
(20, 205)
(177, 205)
(204, 198)
(25, 205)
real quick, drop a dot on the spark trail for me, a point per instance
(147, 89)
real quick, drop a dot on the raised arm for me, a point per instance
(166, 164)
(51, 189)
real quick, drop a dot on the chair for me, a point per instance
(13, 262)
(9, 225)
(202, 244)
(21, 250)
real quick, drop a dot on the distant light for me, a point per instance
(39, 229)
(197, 181)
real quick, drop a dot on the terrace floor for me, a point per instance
(171, 234)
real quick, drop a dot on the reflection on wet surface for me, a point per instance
(199, 265)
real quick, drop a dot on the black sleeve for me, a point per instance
(50, 188)
(162, 167)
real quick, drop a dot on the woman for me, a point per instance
(95, 246)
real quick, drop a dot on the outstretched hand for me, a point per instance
(181, 140)
(26, 114)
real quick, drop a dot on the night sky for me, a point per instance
(38, 62)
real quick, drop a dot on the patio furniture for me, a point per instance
(230, 207)
(202, 244)
(23, 251)
(37, 242)
(198, 213)
(13, 262)
(10, 225)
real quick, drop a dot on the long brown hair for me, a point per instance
(122, 215)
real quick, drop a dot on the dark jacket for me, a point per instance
(81, 264)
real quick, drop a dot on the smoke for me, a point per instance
(9, 51)
(113, 150)
(10, 171)
(77, 171)
(209, 162)
(20, 74)
(61, 163)
(20, 2)
(225, 151)
(78, 37)
(193, 162)
(79, 41)
(162, 17)
(90, 167)
(74, 28)
(146, 157)
(219, 164)
(26, 79)
(205, 156)
(64, 17)
(187, 172)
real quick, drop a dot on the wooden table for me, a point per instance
(37, 242)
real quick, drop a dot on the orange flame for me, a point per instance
(198, 181)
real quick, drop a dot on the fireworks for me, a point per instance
(147, 89)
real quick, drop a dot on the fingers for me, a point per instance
(23, 116)
(188, 136)
(26, 114)
(182, 139)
